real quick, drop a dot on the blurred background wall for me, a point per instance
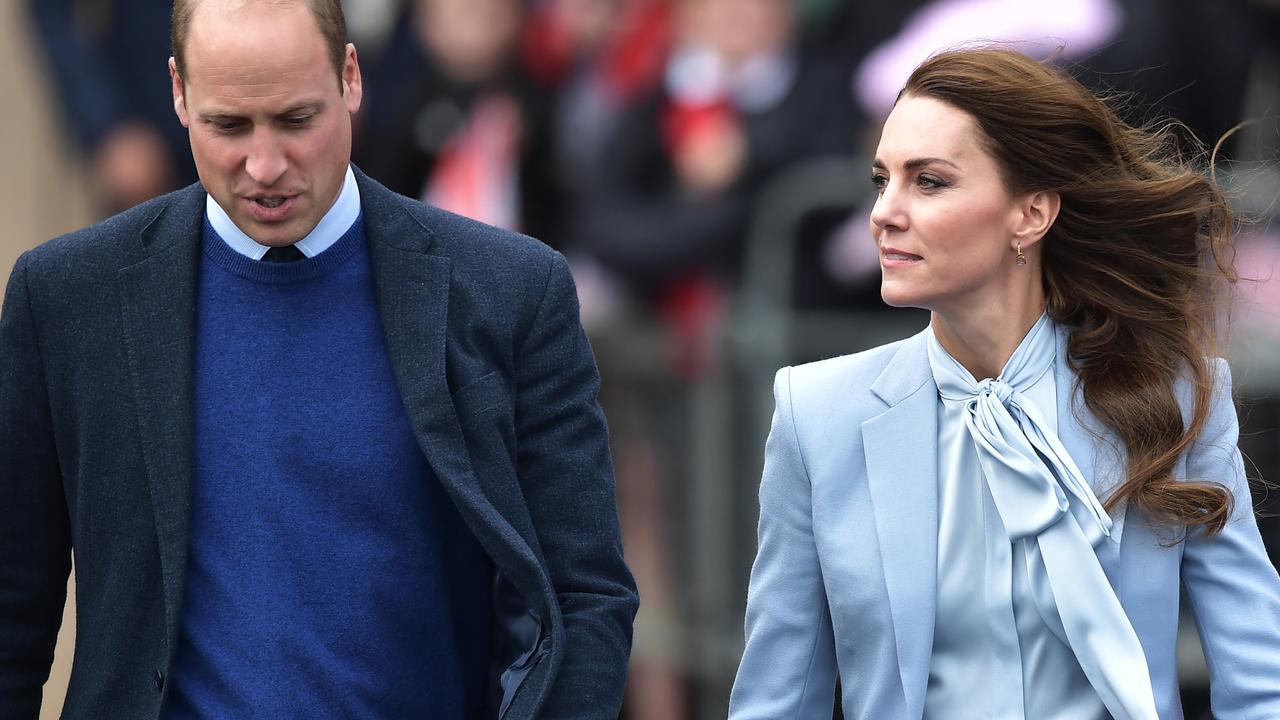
(703, 164)
(42, 192)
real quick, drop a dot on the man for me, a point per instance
(321, 451)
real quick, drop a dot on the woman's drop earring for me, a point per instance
(1021, 259)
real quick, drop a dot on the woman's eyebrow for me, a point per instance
(916, 163)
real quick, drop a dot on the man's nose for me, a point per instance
(266, 162)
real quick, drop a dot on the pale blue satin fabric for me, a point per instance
(989, 640)
(1039, 554)
(975, 669)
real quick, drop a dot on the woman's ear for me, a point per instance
(1037, 212)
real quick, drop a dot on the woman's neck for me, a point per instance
(983, 341)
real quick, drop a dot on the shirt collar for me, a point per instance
(332, 226)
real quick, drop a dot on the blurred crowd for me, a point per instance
(638, 136)
(634, 135)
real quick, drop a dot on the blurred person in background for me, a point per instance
(593, 59)
(460, 126)
(319, 450)
(997, 516)
(107, 61)
(668, 118)
(737, 102)
(662, 157)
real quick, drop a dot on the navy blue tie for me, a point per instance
(288, 253)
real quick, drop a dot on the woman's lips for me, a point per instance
(893, 257)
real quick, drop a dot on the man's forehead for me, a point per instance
(210, 12)
(228, 6)
(222, 34)
(248, 89)
(258, 66)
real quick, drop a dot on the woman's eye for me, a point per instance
(928, 182)
(879, 181)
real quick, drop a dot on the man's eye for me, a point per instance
(225, 126)
(297, 122)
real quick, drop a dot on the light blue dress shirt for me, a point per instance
(331, 227)
(994, 655)
(989, 643)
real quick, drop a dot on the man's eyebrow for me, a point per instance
(916, 163)
(303, 108)
(219, 116)
(299, 109)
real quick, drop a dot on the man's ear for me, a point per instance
(352, 82)
(179, 94)
(1037, 212)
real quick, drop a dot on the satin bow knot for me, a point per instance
(1045, 503)
(991, 387)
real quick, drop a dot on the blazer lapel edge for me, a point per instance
(900, 447)
(158, 314)
(412, 290)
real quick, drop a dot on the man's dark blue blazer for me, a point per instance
(96, 450)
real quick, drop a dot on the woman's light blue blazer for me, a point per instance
(845, 577)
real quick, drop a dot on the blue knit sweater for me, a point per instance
(329, 575)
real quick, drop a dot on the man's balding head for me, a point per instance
(327, 13)
(270, 130)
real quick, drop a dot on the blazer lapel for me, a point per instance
(902, 472)
(412, 288)
(157, 306)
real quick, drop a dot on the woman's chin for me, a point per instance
(899, 297)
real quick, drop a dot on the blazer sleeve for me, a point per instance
(788, 667)
(567, 476)
(1232, 585)
(35, 545)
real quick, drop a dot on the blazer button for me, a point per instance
(159, 678)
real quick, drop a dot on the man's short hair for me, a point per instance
(328, 15)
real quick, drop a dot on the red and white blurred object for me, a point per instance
(626, 43)
(477, 173)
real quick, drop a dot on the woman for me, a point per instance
(993, 518)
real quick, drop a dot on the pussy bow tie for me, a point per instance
(1045, 503)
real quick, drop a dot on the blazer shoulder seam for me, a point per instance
(791, 421)
(536, 311)
(23, 266)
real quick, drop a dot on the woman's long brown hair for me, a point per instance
(1133, 264)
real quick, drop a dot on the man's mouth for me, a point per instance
(271, 208)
